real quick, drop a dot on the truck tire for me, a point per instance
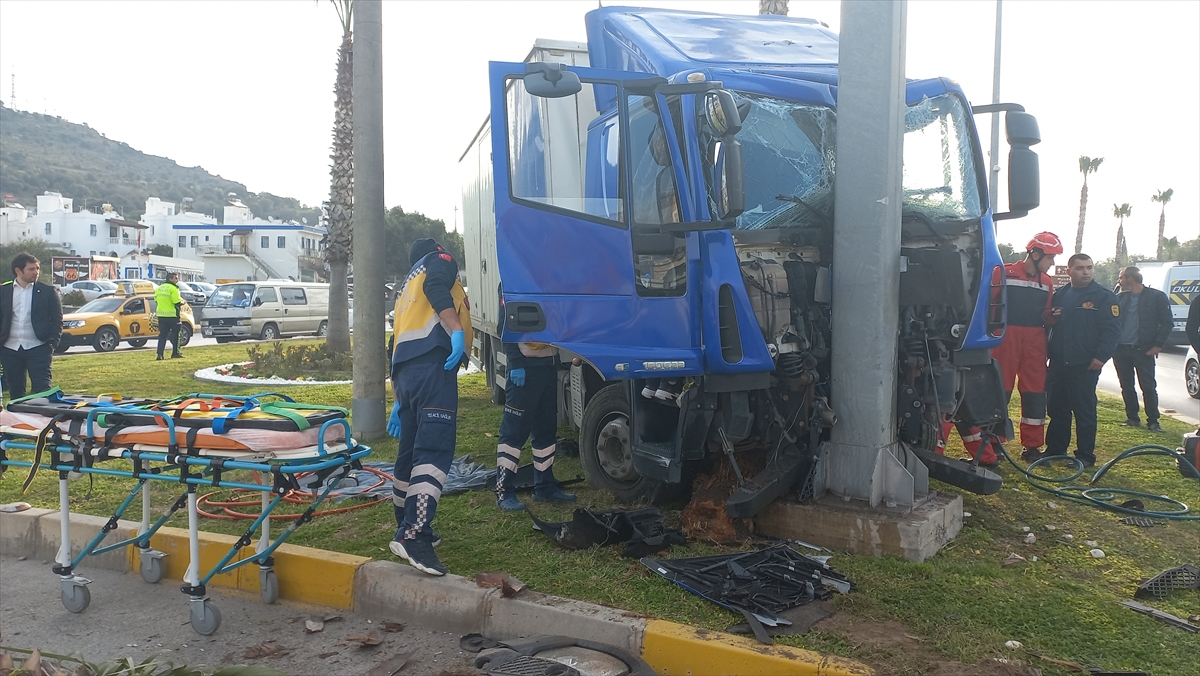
(606, 450)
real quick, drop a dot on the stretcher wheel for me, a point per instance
(269, 584)
(152, 569)
(205, 618)
(76, 598)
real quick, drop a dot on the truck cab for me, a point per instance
(666, 214)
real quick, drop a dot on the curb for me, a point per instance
(449, 603)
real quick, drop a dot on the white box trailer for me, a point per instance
(478, 202)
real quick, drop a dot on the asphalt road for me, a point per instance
(130, 618)
(1171, 391)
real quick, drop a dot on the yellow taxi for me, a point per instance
(106, 322)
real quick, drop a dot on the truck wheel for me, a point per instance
(269, 332)
(106, 339)
(606, 449)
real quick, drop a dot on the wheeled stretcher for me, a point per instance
(192, 440)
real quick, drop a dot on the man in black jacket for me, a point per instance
(1084, 321)
(1146, 322)
(30, 327)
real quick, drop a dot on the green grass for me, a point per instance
(961, 602)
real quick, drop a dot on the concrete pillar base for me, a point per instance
(853, 526)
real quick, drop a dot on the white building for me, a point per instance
(79, 233)
(13, 219)
(136, 265)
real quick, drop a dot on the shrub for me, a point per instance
(74, 299)
(300, 361)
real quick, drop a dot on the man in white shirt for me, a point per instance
(30, 327)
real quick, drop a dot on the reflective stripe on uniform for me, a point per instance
(1028, 283)
(543, 458)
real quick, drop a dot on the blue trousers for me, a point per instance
(529, 410)
(1071, 392)
(428, 396)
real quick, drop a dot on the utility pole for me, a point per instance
(370, 358)
(994, 156)
(861, 460)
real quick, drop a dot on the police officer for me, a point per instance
(431, 329)
(1085, 325)
(168, 301)
(530, 407)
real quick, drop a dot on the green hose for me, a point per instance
(1104, 497)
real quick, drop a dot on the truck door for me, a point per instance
(582, 199)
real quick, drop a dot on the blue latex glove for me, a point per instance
(393, 426)
(457, 345)
(517, 376)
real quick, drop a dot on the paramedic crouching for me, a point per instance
(431, 330)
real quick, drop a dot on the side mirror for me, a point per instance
(722, 113)
(550, 80)
(729, 188)
(257, 301)
(1024, 173)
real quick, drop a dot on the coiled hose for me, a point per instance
(1104, 497)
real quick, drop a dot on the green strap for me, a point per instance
(36, 395)
(301, 422)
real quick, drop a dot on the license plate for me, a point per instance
(206, 331)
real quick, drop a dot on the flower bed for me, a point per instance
(243, 373)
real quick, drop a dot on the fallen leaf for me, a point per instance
(393, 627)
(487, 434)
(6, 661)
(323, 656)
(1012, 560)
(507, 584)
(313, 625)
(265, 649)
(372, 638)
(915, 638)
(34, 663)
(392, 665)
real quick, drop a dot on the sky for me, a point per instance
(245, 89)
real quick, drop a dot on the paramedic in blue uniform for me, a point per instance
(1084, 326)
(431, 329)
(530, 408)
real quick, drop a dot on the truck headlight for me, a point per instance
(73, 324)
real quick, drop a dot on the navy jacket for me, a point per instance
(1088, 330)
(45, 313)
(1154, 317)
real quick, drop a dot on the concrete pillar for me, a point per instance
(866, 254)
(370, 357)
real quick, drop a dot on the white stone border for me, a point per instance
(211, 375)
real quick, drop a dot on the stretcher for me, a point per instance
(194, 440)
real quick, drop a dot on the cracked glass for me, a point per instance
(940, 181)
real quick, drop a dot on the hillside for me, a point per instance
(43, 152)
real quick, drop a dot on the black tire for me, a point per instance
(1191, 379)
(106, 339)
(138, 342)
(185, 334)
(269, 332)
(606, 451)
(323, 330)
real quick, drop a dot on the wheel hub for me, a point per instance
(613, 449)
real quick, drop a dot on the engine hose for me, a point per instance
(1103, 497)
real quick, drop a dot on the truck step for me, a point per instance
(978, 480)
(767, 485)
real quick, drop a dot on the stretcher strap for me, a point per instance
(54, 394)
(301, 422)
(40, 447)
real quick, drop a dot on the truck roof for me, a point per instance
(665, 42)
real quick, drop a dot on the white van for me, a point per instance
(1180, 280)
(266, 310)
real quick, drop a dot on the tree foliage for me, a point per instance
(1008, 254)
(402, 228)
(42, 250)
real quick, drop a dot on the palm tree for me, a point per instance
(1162, 197)
(1122, 251)
(779, 7)
(339, 240)
(1087, 166)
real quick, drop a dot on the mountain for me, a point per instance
(44, 152)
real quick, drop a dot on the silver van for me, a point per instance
(266, 310)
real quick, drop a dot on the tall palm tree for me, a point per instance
(779, 7)
(1087, 166)
(1122, 250)
(339, 240)
(1162, 197)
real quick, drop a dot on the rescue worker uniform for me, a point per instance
(1022, 353)
(425, 383)
(168, 301)
(530, 409)
(1088, 329)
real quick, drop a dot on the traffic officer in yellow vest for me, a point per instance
(168, 302)
(431, 329)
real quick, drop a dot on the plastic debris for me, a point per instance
(1025, 528)
(1052, 505)
(966, 514)
(1097, 553)
(1030, 539)
(1050, 527)
(1068, 537)
(1033, 558)
(1014, 645)
(1184, 577)
(642, 530)
(1090, 543)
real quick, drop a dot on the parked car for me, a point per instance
(193, 293)
(207, 288)
(90, 289)
(1191, 373)
(106, 322)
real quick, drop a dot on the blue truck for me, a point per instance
(658, 204)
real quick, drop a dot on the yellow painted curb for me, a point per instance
(304, 574)
(677, 650)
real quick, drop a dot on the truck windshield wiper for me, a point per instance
(826, 218)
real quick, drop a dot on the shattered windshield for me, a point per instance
(940, 181)
(788, 153)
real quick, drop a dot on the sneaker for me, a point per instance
(510, 503)
(1153, 426)
(419, 554)
(554, 494)
(1031, 455)
(436, 538)
(1132, 422)
(668, 391)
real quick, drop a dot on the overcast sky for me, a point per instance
(244, 89)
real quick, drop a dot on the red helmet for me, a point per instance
(1048, 242)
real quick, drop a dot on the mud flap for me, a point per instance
(964, 475)
(768, 484)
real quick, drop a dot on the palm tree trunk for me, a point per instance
(338, 338)
(1122, 251)
(1082, 216)
(1162, 226)
(339, 241)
